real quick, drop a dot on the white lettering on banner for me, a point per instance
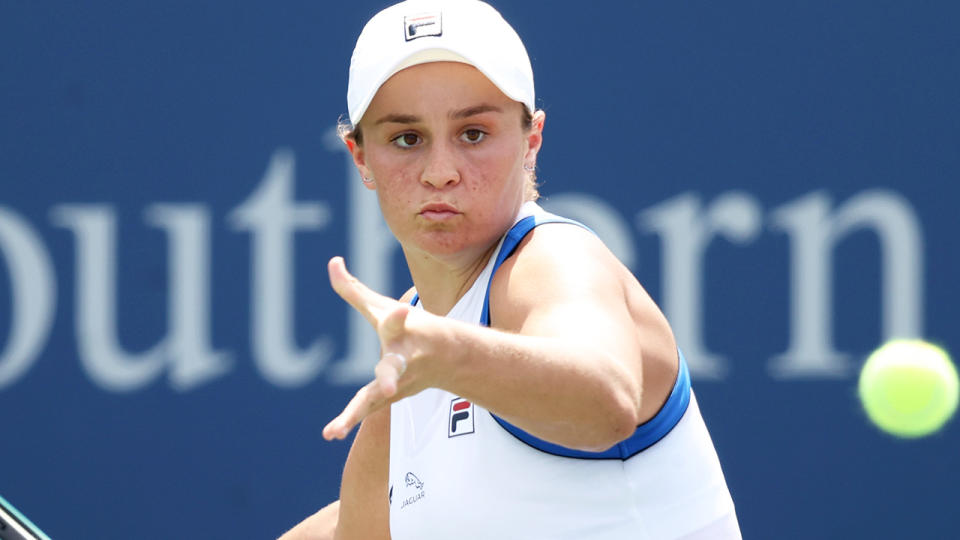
(686, 231)
(684, 224)
(108, 365)
(814, 232)
(272, 216)
(34, 296)
(189, 348)
(186, 348)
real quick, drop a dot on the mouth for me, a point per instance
(438, 211)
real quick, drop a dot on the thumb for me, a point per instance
(395, 323)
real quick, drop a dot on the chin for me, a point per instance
(442, 242)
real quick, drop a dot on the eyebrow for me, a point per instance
(458, 114)
(475, 110)
(397, 119)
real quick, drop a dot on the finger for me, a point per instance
(368, 302)
(367, 400)
(389, 370)
(395, 321)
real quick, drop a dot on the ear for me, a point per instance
(534, 138)
(360, 160)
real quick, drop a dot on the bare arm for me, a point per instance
(567, 363)
(364, 491)
(363, 485)
(586, 355)
(363, 511)
(320, 526)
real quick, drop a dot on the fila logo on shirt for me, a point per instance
(461, 418)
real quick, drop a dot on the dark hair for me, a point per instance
(346, 130)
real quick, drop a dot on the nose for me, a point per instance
(441, 168)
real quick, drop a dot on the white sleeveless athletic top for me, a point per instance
(458, 472)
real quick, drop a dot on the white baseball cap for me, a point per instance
(420, 31)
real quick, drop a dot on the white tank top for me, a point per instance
(456, 472)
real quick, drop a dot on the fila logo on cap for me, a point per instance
(422, 25)
(461, 418)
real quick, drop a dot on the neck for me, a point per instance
(442, 281)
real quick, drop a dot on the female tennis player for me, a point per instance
(528, 387)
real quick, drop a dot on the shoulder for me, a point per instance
(556, 263)
(562, 281)
(408, 296)
(565, 252)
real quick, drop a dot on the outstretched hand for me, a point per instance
(389, 318)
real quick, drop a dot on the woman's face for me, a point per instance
(446, 150)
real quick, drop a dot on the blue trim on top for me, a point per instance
(510, 242)
(646, 434)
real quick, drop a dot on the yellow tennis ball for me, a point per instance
(909, 388)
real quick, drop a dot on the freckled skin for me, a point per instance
(421, 148)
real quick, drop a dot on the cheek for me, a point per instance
(394, 192)
(380, 163)
(499, 163)
(397, 190)
(392, 174)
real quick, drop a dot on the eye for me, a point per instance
(473, 136)
(406, 140)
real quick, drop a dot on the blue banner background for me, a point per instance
(127, 106)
